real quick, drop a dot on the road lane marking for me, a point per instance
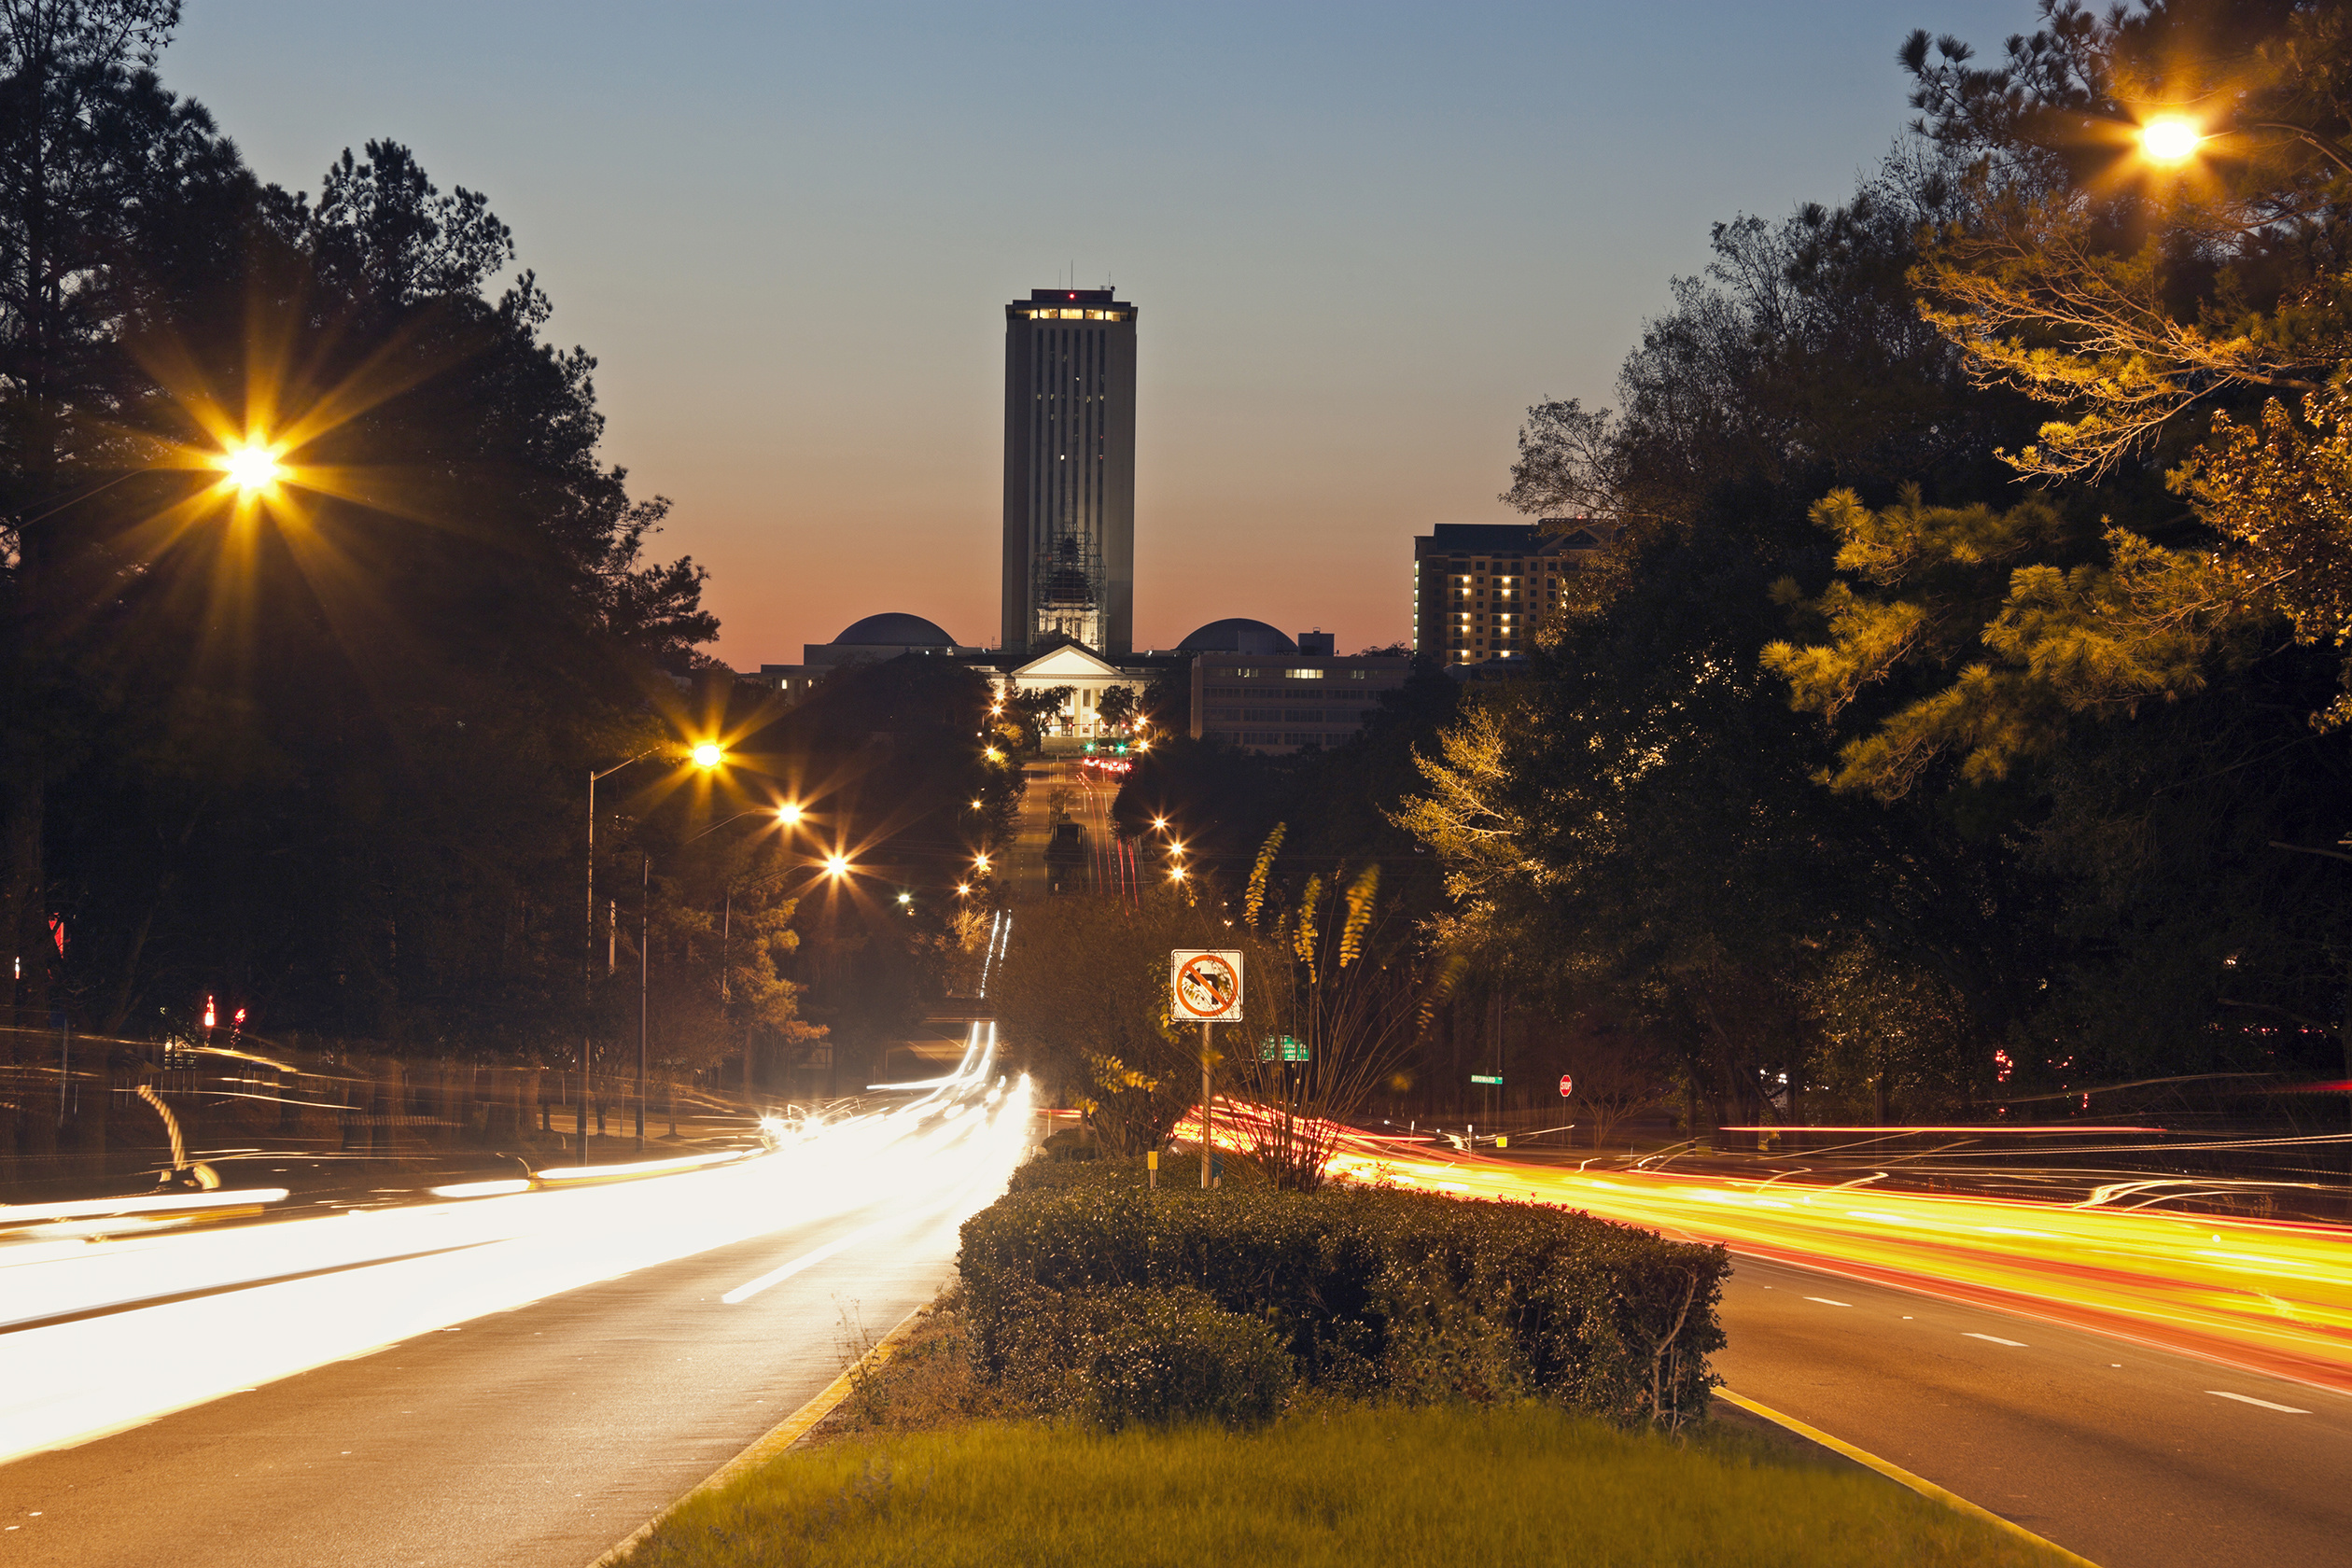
(750, 1288)
(1827, 1302)
(1996, 1340)
(807, 1261)
(1898, 1474)
(2250, 1399)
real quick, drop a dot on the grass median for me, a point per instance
(1331, 1483)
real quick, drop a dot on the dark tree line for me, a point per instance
(317, 750)
(1969, 628)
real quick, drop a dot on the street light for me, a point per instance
(789, 813)
(250, 465)
(980, 862)
(836, 865)
(706, 755)
(2170, 139)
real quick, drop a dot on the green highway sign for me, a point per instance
(1290, 1047)
(1486, 1078)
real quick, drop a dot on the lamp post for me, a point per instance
(706, 755)
(787, 815)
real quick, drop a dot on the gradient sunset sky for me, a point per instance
(1363, 238)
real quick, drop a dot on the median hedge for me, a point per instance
(1372, 1292)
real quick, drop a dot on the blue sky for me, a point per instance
(1363, 238)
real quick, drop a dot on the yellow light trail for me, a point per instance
(2269, 1295)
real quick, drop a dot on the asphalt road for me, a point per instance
(2133, 1458)
(531, 1438)
(542, 1434)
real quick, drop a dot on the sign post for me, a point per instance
(1205, 985)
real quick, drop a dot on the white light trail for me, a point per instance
(95, 1349)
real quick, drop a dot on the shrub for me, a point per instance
(1405, 1294)
(1052, 1175)
(1166, 1356)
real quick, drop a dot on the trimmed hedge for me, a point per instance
(1172, 1355)
(1372, 1292)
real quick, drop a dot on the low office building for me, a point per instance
(1265, 692)
(1481, 589)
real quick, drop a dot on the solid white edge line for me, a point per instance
(2250, 1399)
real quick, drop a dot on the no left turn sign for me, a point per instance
(1205, 985)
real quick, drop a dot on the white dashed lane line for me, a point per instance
(1827, 1302)
(2250, 1399)
(1996, 1340)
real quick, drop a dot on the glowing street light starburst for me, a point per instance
(250, 468)
(2170, 139)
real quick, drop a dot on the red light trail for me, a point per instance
(2269, 1295)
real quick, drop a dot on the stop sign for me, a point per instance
(1567, 1085)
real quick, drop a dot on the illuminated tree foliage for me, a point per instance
(2150, 303)
(1081, 997)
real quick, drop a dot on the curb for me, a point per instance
(1897, 1473)
(782, 1436)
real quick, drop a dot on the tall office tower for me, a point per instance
(1069, 470)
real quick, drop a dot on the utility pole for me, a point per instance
(645, 926)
